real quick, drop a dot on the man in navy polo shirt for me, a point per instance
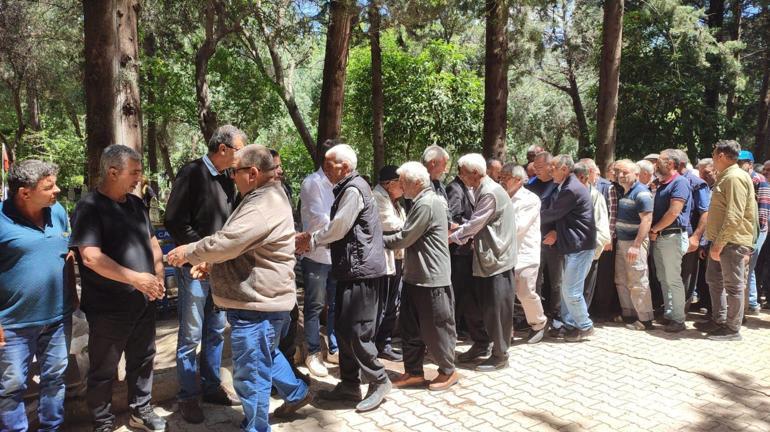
(37, 294)
(632, 226)
(670, 220)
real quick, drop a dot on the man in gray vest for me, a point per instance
(354, 236)
(493, 228)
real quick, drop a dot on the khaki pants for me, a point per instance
(526, 291)
(632, 282)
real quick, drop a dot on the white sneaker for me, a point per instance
(333, 358)
(315, 365)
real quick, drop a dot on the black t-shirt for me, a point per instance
(123, 232)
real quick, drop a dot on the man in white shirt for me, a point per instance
(316, 197)
(526, 207)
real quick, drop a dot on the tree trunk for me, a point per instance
(33, 105)
(342, 15)
(710, 123)
(378, 108)
(584, 137)
(735, 35)
(762, 143)
(164, 152)
(495, 79)
(113, 113)
(72, 115)
(152, 122)
(609, 80)
(207, 117)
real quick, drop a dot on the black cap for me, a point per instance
(388, 173)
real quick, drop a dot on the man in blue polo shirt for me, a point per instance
(36, 294)
(670, 220)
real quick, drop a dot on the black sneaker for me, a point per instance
(707, 326)
(536, 336)
(577, 335)
(145, 418)
(724, 333)
(674, 327)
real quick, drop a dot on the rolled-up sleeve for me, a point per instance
(351, 204)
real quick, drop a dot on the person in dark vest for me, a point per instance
(354, 235)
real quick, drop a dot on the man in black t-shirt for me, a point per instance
(122, 274)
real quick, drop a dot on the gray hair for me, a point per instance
(646, 166)
(673, 155)
(473, 162)
(343, 153)
(705, 162)
(683, 158)
(545, 155)
(27, 174)
(581, 169)
(434, 152)
(729, 148)
(116, 156)
(414, 172)
(490, 161)
(565, 160)
(256, 155)
(515, 171)
(590, 164)
(634, 167)
(226, 135)
(533, 148)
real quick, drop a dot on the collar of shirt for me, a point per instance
(210, 165)
(729, 169)
(321, 177)
(8, 208)
(670, 179)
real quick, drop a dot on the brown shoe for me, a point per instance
(222, 396)
(443, 382)
(407, 380)
(191, 411)
(287, 409)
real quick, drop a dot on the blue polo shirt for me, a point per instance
(676, 188)
(637, 200)
(33, 289)
(700, 200)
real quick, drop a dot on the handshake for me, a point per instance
(302, 243)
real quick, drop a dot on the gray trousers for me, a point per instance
(427, 321)
(727, 281)
(495, 294)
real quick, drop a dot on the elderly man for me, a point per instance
(632, 228)
(427, 315)
(582, 171)
(732, 230)
(436, 161)
(574, 233)
(493, 229)
(494, 166)
(121, 270)
(316, 199)
(762, 193)
(526, 207)
(532, 151)
(37, 294)
(392, 216)
(670, 220)
(706, 171)
(251, 263)
(646, 172)
(358, 263)
(201, 200)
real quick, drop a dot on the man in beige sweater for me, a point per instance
(251, 263)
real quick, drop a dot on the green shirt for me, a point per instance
(733, 210)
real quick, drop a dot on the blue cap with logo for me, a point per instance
(746, 155)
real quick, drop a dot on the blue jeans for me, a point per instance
(258, 365)
(574, 311)
(320, 290)
(753, 297)
(50, 344)
(199, 323)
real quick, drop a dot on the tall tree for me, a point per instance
(762, 143)
(609, 79)
(735, 35)
(495, 79)
(111, 63)
(150, 48)
(712, 88)
(378, 98)
(342, 16)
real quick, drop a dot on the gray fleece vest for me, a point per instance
(494, 247)
(361, 253)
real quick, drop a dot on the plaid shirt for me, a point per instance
(763, 205)
(612, 206)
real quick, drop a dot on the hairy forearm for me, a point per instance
(105, 266)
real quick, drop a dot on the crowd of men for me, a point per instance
(444, 262)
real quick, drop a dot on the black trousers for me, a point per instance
(427, 321)
(605, 303)
(704, 294)
(549, 280)
(288, 344)
(462, 286)
(589, 287)
(495, 294)
(690, 264)
(355, 320)
(388, 307)
(109, 336)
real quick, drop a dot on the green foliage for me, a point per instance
(61, 147)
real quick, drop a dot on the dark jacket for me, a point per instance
(361, 253)
(199, 204)
(461, 205)
(572, 214)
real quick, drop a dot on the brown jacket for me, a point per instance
(253, 254)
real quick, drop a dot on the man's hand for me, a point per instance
(653, 236)
(149, 284)
(694, 244)
(200, 271)
(302, 242)
(2, 337)
(550, 238)
(608, 247)
(633, 254)
(177, 257)
(715, 252)
(702, 253)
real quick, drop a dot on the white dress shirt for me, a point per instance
(351, 204)
(526, 206)
(317, 197)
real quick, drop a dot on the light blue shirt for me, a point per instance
(210, 165)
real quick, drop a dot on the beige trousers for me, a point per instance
(526, 283)
(632, 281)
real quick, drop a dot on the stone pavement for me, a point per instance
(620, 380)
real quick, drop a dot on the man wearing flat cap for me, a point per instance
(392, 215)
